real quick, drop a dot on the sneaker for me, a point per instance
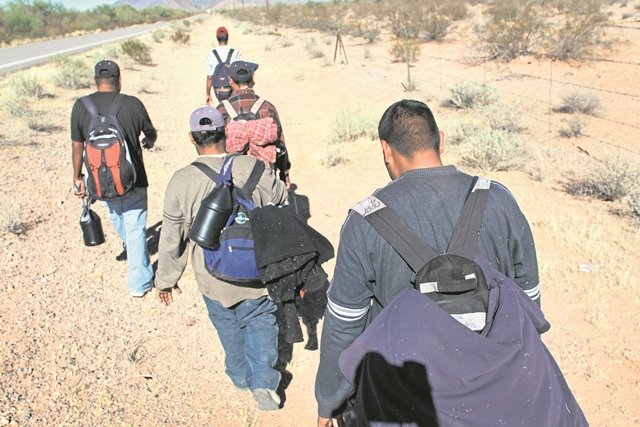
(122, 256)
(268, 400)
(139, 294)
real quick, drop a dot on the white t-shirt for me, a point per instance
(223, 51)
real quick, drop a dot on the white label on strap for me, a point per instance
(369, 205)
(473, 321)
(428, 287)
(482, 184)
(470, 276)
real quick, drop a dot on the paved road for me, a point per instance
(18, 57)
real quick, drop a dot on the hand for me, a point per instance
(325, 422)
(287, 182)
(208, 99)
(145, 144)
(78, 187)
(166, 297)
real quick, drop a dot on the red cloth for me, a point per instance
(253, 137)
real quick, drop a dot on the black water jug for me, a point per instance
(91, 227)
(212, 217)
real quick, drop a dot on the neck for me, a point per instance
(209, 150)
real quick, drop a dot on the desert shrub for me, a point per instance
(26, 85)
(578, 37)
(399, 50)
(285, 42)
(316, 53)
(158, 35)
(186, 23)
(16, 106)
(574, 126)
(609, 179)
(470, 95)
(455, 10)
(71, 73)
(10, 221)
(494, 150)
(368, 31)
(137, 50)
(180, 37)
(512, 32)
(504, 116)
(110, 51)
(333, 156)
(352, 123)
(580, 102)
(631, 203)
(466, 130)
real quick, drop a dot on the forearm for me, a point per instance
(209, 79)
(172, 253)
(77, 151)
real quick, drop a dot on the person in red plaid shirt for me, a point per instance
(239, 107)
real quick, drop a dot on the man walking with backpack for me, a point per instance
(245, 104)
(428, 197)
(115, 170)
(242, 314)
(218, 61)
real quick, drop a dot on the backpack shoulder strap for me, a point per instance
(464, 241)
(256, 106)
(230, 110)
(406, 243)
(89, 105)
(252, 182)
(215, 53)
(213, 175)
(228, 60)
(116, 104)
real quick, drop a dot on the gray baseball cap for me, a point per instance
(198, 122)
(241, 71)
(107, 68)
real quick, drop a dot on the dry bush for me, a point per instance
(10, 221)
(581, 33)
(158, 35)
(71, 73)
(574, 126)
(504, 116)
(470, 95)
(611, 179)
(26, 85)
(494, 150)
(631, 203)
(580, 102)
(399, 50)
(316, 53)
(456, 10)
(513, 31)
(180, 37)
(137, 50)
(333, 156)
(466, 130)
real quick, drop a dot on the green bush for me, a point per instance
(578, 37)
(399, 50)
(71, 73)
(352, 123)
(137, 50)
(494, 150)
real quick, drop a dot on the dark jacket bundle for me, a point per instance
(288, 254)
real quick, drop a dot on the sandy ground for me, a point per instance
(76, 350)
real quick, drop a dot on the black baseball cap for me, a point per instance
(242, 71)
(107, 68)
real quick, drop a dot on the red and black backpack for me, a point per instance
(110, 171)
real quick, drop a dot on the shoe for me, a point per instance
(267, 399)
(122, 256)
(139, 294)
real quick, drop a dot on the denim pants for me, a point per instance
(249, 335)
(129, 218)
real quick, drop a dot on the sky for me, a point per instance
(75, 4)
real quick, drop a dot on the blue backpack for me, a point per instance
(235, 261)
(220, 77)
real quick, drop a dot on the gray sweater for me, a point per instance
(369, 273)
(185, 191)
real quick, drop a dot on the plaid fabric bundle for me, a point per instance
(253, 137)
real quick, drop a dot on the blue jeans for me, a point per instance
(129, 218)
(249, 335)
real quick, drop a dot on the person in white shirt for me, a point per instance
(223, 52)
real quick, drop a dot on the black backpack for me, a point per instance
(453, 280)
(252, 114)
(110, 171)
(220, 77)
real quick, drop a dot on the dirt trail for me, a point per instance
(77, 351)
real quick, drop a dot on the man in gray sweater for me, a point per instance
(428, 197)
(243, 316)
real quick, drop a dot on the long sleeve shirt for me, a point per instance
(369, 273)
